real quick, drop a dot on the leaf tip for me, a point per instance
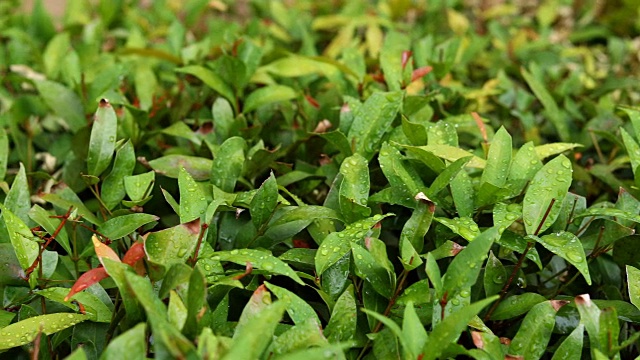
(104, 103)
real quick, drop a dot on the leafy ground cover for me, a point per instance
(320, 180)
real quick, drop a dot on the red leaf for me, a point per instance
(420, 72)
(87, 279)
(312, 101)
(406, 55)
(135, 253)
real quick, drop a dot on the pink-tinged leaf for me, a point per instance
(134, 254)
(87, 279)
(406, 55)
(420, 72)
(103, 251)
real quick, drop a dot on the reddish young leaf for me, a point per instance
(134, 254)
(87, 279)
(420, 72)
(103, 251)
(406, 55)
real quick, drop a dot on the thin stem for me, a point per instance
(194, 258)
(64, 218)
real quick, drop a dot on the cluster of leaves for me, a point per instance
(323, 180)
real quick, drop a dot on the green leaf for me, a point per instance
(124, 225)
(404, 180)
(268, 95)
(103, 139)
(192, 200)
(633, 149)
(339, 140)
(127, 344)
(465, 227)
(298, 309)
(228, 164)
(571, 347)
(495, 275)
(451, 153)
(211, 79)
(25, 331)
(447, 331)
(446, 177)
(252, 339)
(433, 272)
(551, 108)
(116, 271)
(21, 238)
(337, 244)
(66, 199)
(94, 308)
(550, 183)
(413, 332)
(342, 324)
(498, 159)
(465, 267)
(523, 168)
(223, 120)
(199, 168)
(567, 246)
(535, 332)
(259, 259)
(113, 190)
(391, 58)
(372, 120)
(18, 198)
(264, 202)
(373, 272)
(300, 336)
(354, 188)
(64, 103)
(546, 150)
(11, 273)
(4, 153)
(612, 212)
(633, 284)
(516, 305)
(138, 187)
(413, 233)
(173, 245)
(463, 194)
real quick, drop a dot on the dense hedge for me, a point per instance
(386, 179)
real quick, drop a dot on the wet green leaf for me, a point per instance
(373, 272)
(25, 331)
(173, 245)
(4, 153)
(391, 58)
(18, 198)
(465, 227)
(452, 153)
(465, 267)
(299, 310)
(127, 344)
(342, 324)
(633, 283)
(199, 168)
(138, 187)
(21, 238)
(94, 308)
(264, 202)
(567, 246)
(124, 225)
(550, 183)
(413, 233)
(447, 331)
(516, 305)
(495, 275)
(113, 187)
(404, 180)
(571, 347)
(192, 200)
(253, 338)
(372, 120)
(103, 139)
(498, 159)
(354, 188)
(337, 244)
(260, 260)
(533, 336)
(228, 164)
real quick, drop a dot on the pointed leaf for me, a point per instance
(124, 225)
(465, 267)
(25, 331)
(447, 331)
(354, 188)
(337, 244)
(251, 340)
(113, 191)
(103, 139)
(268, 95)
(260, 260)
(342, 324)
(173, 245)
(633, 282)
(498, 159)
(533, 336)
(550, 183)
(192, 200)
(211, 79)
(199, 168)
(567, 246)
(571, 347)
(264, 202)
(298, 309)
(21, 238)
(228, 164)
